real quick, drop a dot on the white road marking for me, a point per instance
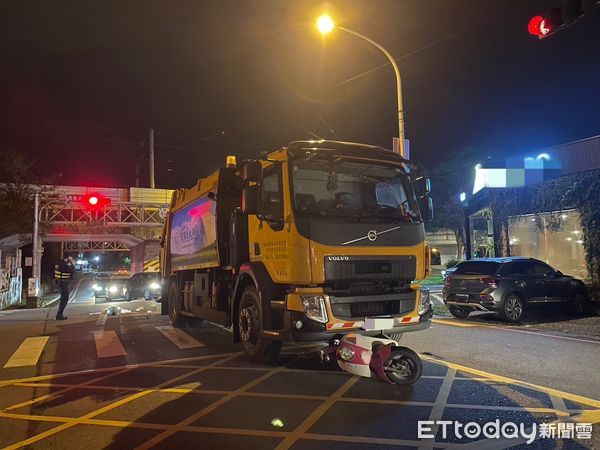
(28, 353)
(102, 319)
(179, 337)
(108, 344)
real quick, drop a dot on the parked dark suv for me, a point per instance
(508, 286)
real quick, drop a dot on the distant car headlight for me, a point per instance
(154, 286)
(314, 307)
(96, 287)
(113, 289)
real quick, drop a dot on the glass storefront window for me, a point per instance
(551, 237)
(482, 234)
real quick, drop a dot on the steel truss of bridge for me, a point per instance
(117, 214)
(93, 246)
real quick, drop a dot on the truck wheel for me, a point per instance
(177, 320)
(256, 347)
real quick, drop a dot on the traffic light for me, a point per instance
(95, 201)
(558, 18)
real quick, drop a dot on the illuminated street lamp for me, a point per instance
(325, 24)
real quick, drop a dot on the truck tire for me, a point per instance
(174, 301)
(257, 347)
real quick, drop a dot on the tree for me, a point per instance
(450, 177)
(16, 195)
(17, 190)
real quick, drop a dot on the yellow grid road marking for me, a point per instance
(28, 353)
(453, 323)
(208, 409)
(110, 406)
(573, 397)
(317, 414)
(592, 416)
(115, 368)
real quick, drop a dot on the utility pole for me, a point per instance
(151, 158)
(33, 291)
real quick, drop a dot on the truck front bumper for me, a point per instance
(316, 332)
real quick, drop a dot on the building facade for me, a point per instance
(553, 217)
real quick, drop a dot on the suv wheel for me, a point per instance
(459, 313)
(513, 309)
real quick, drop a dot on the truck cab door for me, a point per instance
(267, 238)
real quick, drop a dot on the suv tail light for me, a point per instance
(492, 282)
(446, 281)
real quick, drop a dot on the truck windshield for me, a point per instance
(350, 188)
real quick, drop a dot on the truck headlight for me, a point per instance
(425, 303)
(113, 289)
(314, 307)
(154, 286)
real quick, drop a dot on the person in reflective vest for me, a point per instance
(63, 274)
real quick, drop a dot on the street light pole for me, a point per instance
(151, 158)
(325, 25)
(398, 85)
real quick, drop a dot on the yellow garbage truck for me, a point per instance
(306, 243)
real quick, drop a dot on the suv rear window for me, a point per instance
(477, 268)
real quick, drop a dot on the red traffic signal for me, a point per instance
(95, 201)
(539, 26)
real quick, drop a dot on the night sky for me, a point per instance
(82, 82)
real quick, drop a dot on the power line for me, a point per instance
(99, 127)
(425, 47)
(66, 136)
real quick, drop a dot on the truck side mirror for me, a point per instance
(252, 171)
(423, 185)
(426, 207)
(251, 200)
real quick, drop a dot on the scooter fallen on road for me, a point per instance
(377, 356)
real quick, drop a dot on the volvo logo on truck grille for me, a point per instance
(371, 235)
(338, 258)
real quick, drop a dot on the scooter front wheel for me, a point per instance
(403, 366)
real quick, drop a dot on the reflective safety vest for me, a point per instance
(60, 274)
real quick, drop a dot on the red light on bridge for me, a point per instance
(539, 26)
(93, 200)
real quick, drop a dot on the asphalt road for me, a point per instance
(132, 381)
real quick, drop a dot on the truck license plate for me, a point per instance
(378, 323)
